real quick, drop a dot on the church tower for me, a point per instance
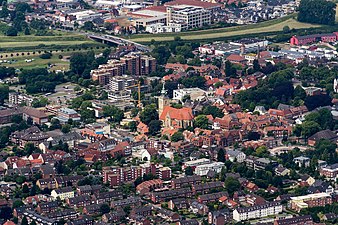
(163, 101)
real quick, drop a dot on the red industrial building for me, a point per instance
(309, 39)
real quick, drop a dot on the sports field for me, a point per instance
(268, 26)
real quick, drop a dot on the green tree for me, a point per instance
(177, 136)
(189, 171)
(66, 128)
(221, 155)
(12, 31)
(231, 185)
(115, 113)
(202, 121)
(212, 110)
(104, 208)
(148, 114)
(24, 221)
(286, 29)
(317, 11)
(154, 127)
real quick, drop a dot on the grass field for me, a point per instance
(269, 26)
(68, 42)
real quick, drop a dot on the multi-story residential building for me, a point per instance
(118, 175)
(194, 163)
(203, 170)
(16, 98)
(30, 135)
(308, 201)
(103, 74)
(257, 211)
(134, 63)
(330, 172)
(188, 16)
(194, 93)
(63, 193)
(120, 83)
(64, 114)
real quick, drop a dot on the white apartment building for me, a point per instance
(16, 98)
(119, 96)
(202, 170)
(194, 93)
(188, 16)
(63, 193)
(120, 83)
(161, 28)
(257, 211)
(195, 163)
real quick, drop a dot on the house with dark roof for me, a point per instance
(297, 220)
(324, 134)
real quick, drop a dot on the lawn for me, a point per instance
(20, 63)
(60, 64)
(268, 26)
(29, 43)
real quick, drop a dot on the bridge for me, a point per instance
(117, 41)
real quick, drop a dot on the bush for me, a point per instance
(46, 55)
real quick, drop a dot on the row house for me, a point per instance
(198, 208)
(47, 207)
(93, 209)
(296, 220)
(147, 186)
(114, 216)
(278, 131)
(65, 214)
(213, 197)
(49, 183)
(219, 217)
(130, 201)
(178, 203)
(105, 197)
(167, 214)
(79, 201)
(205, 188)
(65, 181)
(144, 211)
(88, 189)
(186, 181)
(170, 194)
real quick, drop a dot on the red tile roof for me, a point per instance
(235, 57)
(178, 114)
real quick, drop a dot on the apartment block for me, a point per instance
(16, 98)
(308, 201)
(120, 83)
(134, 64)
(118, 175)
(257, 211)
(188, 16)
(330, 172)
